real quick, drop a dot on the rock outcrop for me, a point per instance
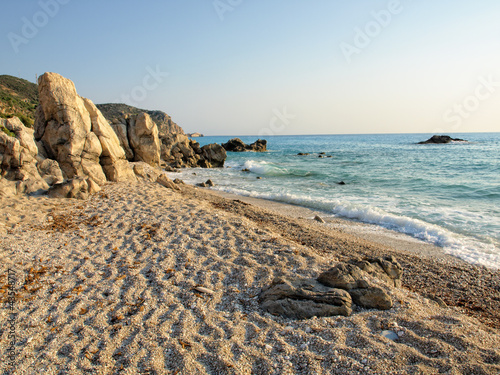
(173, 150)
(18, 158)
(164, 122)
(78, 188)
(237, 145)
(334, 291)
(143, 139)
(304, 298)
(76, 135)
(441, 139)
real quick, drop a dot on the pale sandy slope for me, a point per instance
(106, 286)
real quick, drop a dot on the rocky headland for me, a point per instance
(72, 140)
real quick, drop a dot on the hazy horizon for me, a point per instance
(266, 68)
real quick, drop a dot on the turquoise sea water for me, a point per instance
(447, 195)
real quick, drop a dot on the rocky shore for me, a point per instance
(147, 275)
(140, 278)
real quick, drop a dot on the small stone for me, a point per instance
(308, 330)
(319, 219)
(268, 347)
(303, 347)
(401, 333)
(391, 335)
(204, 290)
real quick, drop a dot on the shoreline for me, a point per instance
(371, 232)
(111, 284)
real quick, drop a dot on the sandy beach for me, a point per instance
(140, 279)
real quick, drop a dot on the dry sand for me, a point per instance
(108, 285)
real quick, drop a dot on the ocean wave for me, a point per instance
(269, 169)
(463, 247)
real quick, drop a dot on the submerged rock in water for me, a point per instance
(441, 139)
(237, 145)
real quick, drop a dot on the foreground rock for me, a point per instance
(304, 299)
(75, 134)
(237, 145)
(78, 188)
(441, 139)
(334, 291)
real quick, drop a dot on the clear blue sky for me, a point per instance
(272, 66)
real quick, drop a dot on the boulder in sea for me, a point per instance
(304, 299)
(237, 145)
(213, 156)
(441, 139)
(302, 154)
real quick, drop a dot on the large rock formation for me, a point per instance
(143, 139)
(138, 138)
(18, 158)
(75, 134)
(441, 139)
(237, 145)
(164, 122)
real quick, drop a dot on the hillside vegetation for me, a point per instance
(18, 97)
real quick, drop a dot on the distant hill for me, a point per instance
(163, 121)
(18, 97)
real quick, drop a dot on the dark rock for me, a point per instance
(303, 154)
(77, 187)
(387, 269)
(329, 156)
(344, 276)
(168, 168)
(322, 153)
(371, 298)
(320, 156)
(341, 183)
(259, 178)
(318, 218)
(209, 183)
(441, 139)
(213, 156)
(237, 145)
(245, 170)
(304, 299)
(166, 182)
(178, 181)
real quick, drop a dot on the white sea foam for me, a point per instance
(452, 243)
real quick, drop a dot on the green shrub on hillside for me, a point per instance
(7, 131)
